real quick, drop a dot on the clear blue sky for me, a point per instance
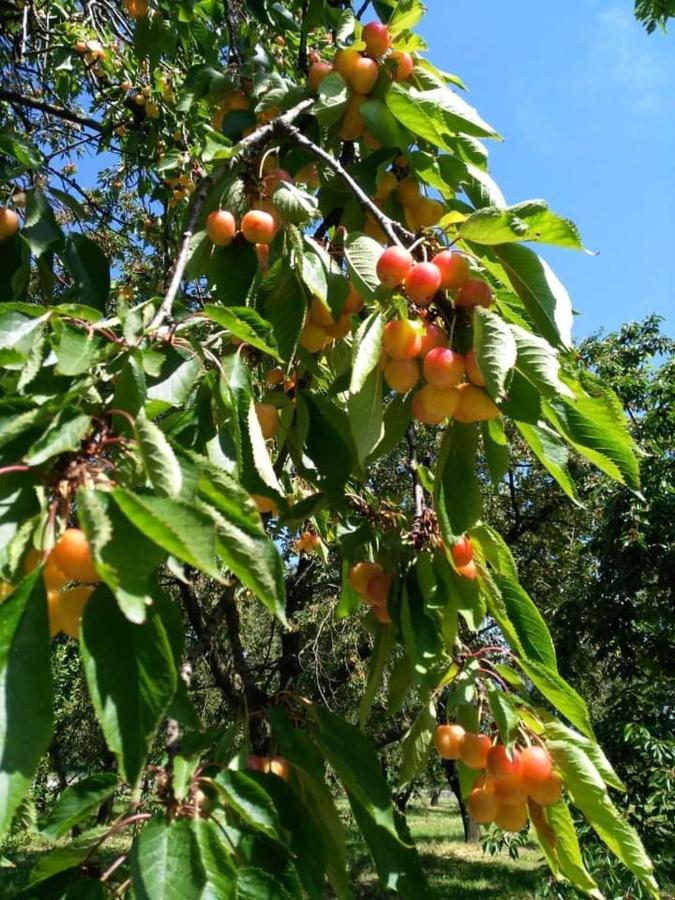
(585, 100)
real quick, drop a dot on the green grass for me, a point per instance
(454, 869)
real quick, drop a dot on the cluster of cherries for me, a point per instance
(320, 326)
(308, 543)
(361, 72)
(413, 349)
(419, 210)
(501, 793)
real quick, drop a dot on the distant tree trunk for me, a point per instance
(471, 830)
(105, 810)
(402, 797)
(435, 796)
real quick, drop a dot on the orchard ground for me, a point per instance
(454, 869)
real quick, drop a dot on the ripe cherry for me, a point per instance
(354, 301)
(408, 191)
(268, 417)
(469, 571)
(482, 805)
(264, 504)
(255, 763)
(393, 266)
(377, 38)
(221, 227)
(454, 268)
(313, 338)
(320, 314)
(353, 124)
(438, 403)
(402, 374)
(510, 790)
(317, 72)
(475, 405)
(71, 604)
(474, 292)
(443, 367)
(377, 592)
(386, 184)
(344, 62)
(258, 226)
(279, 766)
(274, 376)
(9, 223)
(405, 65)
(363, 75)
(402, 339)
(381, 613)
(361, 573)
(502, 766)
(422, 282)
(432, 336)
(473, 373)
(462, 551)
(447, 740)
(473, 750)
(511, 817)
(427, 212)
(547, 792)
(72, 555)
(536, 765)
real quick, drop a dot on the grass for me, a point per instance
(454, 869)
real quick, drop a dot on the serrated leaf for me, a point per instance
(245, 324)
(295, 205)
(79, 801)
(552, 453)
(557, 731)
(495, 349)
(382, 124)
(364, 410)
(362, 253)
(64, 435)
(165, 861)
(367, 349)
(177, 387)
(76, 352)
(531, 220)
(251, 801)
(384, 642)
(159, 460)
(416, 743)
(284, 305)
(538, 362)
(527, 621)
(558, 838)
(90, 269)
(332, 100)
(40, 229)
(560, 694)
(457, 494)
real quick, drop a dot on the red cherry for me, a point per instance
(432, 336)
(502, 767)
(377, 38)
(454, 268)
(462, 552)
(443, 367)
(536, 765)
(401, 339)
(474, 292)
(422, 282)
(393, 266)
(405, 65)
(473, 750)
(468, 571)
(220, 227)
(258, 226)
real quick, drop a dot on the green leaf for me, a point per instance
(284, 305)
(551, 453)
(250, 801)
(406, 15)
(595, 426)
(496, 446)
(538, 362)
(560, 694)
(25, 691)
(76, 352)
(382, 124)
(165, 862)
(177, 387)
(64, 435)
(503, 712)
(159, 460)
(457, 496)
(179, 529)
(384, 643)
(24, 152)
(245, 324)
(436, 115)
(332, 100)
(542, 293)
(495, 350)
(589, 794)
(364, 409)
(295, 205)
(562, 849)
(131, 676)
(79, 801)
(531, 220)
(327, 446)
(416, 743)
(556, 731)
(90, 269)
(362, 253)
(40, 230)
(216, 860)
(528, 622)
(233, 271)
(367, 348)
(256, 884)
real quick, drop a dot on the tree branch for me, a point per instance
(66, 114)
(418, 490)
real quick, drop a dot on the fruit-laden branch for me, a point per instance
(66, 114)
(396, 233)
(247, 147)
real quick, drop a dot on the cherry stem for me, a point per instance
(18, 467)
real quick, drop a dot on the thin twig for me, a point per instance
(418, 490)
(13, 97)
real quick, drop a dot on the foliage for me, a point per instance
(193, 400)
(654, 13)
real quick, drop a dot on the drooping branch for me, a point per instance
(20, 100)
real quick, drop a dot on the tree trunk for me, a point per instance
(471, 830)
(402, 798)
(435, 796)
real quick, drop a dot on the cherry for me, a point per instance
(386, 184)
(454, 268)
(511, 817)
(482, 805)
(278, 766)
(405, 65)
(422, 282)
(438, 403)
(353, 124)
(502, 766)
(473, 750)
(354, 301)
(9, 223)
(547, 792)
(71, 605)
(510, 790)
(317, 72)
(381, 613)
(462, 551)
(447, 740)
(401, 374)
(393, 266)
(377, 592)
(221, 227)
(264, 504)
(361, 573)
(268, 417)
(377, 38)
(473, 373)
(313, 338)
(468, 571)
(344, 62)
(274, 178)
(363, 75)
(258, 226)
(255, 763)
(443, 367)
(320, 314)
(536, 765)
(432, 336)
(341, 328)
(408, 191)
(475, 405)
(427, 212)
(72, 555)
(274, 376)
(474, 292)
(401, 339)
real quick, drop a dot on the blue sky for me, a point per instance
(585, 100)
